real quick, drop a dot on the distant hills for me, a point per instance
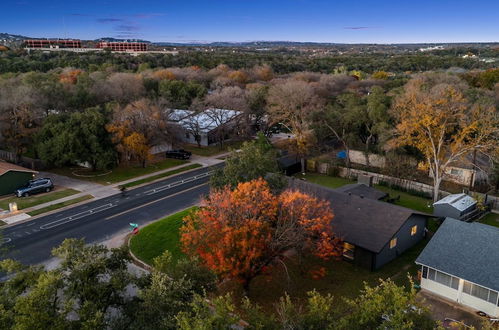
(15, 39)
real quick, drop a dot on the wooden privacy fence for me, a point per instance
(408, 185)
(32, 163)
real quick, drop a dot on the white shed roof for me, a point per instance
(207, 120)
(458, 201)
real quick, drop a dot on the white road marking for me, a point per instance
(157, 200)
(5, 240)
(76, 216)
(177, 183)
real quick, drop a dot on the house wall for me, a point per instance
(459, 296)
(404, 240)
(363, 258)
(12, 180)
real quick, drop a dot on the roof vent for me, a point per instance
(361, 196)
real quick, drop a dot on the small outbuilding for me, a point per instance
(461, 263)
(456, 206)
(13, 177)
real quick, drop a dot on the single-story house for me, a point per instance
(13, 177)
(374, 232)
(461, 263)
(456, 206)
(208, 126)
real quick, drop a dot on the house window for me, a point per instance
(454, 171)
(348, 250)
(480, 292)
(187, 135)
(425, 272)
(393, 243)
(414, 230)
(442, 278)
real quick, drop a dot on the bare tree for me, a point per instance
(292, 103)
(20, 114)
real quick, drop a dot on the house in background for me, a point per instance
(206, 127)
(13, 177)
(461, 263)
(374, 232)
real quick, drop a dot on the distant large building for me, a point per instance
(45, 43)
(123, 46)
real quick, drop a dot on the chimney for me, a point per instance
(365, 179)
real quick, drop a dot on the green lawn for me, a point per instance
(325, 180)
(120, 173)
(407, 200)
(162, 175)
(213, 149)
(342, 279)
(491, 219)
(410, 201)
(159, 236)
(60, 205)
(25, 202)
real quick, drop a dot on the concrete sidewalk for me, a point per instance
(99, 191)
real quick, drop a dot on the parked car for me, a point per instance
(34, 187)
(179, 154)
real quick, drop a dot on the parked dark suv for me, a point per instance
(179, 154)
(34, 187)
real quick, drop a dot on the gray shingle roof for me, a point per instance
(364, 222)
(361, 189)
(466, 250)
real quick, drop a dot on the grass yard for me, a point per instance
(407, 200)
(25, 202)
(325, 180)
(490, 219)
(159, 236)
(60, 205)
(120, 173)
(162, 175)
(417, 203)
(342, 279)
(213, 149)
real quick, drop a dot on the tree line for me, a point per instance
(122, 114)
(281, 62)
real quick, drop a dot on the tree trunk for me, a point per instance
(347, 159)
(368, 141)
(302, 162)
(436, 187)
(144, 163)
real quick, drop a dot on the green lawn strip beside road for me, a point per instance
(213, 149)
(162, 175)
(26, 202)
(60, 205)
(159, 236)
(120, 173)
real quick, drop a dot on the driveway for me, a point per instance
(442, 308)
(60, 180)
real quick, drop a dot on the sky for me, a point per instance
(337, 21)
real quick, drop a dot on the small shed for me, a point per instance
(455, 206)
(13, 177)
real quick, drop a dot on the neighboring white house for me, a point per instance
(206, 127)
(461, 263)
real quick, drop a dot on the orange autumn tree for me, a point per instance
(239, 233)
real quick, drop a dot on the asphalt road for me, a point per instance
(31, 242)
